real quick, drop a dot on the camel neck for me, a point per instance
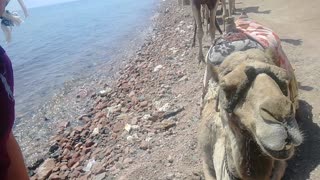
(245, 158)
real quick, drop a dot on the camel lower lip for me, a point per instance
(282, 154)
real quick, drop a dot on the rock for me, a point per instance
(123, 117)
(95, 131)
(165, 107)
(130, 138)
(170, 159)
(64, 168)
(170, 176)
(101, 105)
(89, 165)
(127, 161)
(146, 117)
(184, 78)
(144, 104)
(98, 168)
(157, 68)
(127, 127)
(134, 121)
(144, 145)
(74, 174)
(172, 113)
(105, 92)
(166, 124)
(72, 162)
(99, 176)
(53, 148)
(118, 127)
(65, 124)
(45, 169)
(35, 165)
(54, 176)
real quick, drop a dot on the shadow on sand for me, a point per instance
(307, 156)
(295, 42)
(255, 9)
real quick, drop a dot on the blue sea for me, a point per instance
(60, 42)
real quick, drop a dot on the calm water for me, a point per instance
(60, 42)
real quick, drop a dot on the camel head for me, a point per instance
(256, 100)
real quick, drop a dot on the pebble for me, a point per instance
(144, 145)
(157, 68)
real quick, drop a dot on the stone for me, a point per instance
(71, 162)
(184, 78)
(105, 92)
(165, 107)
(124, 117)
(128, 128)
(98, 168)
(118, 127)
(89, 165)
(144, 104)
(46, 168)
(170, 159)
(146, 117)
(134, 121)
(95, 131)
(54, 176)
(89, 143)
(157, 68)
(74, 174)
(100, 176)
(144, 145)
(127, 161)
(101, 105)
(65, 124)
(63, 168)
(53, 148)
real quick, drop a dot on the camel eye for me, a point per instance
(268, 116)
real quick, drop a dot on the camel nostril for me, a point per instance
(288, 140)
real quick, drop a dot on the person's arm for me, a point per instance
(17, 169)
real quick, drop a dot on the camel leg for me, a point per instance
(207, 76)
(224, 15)
(231, 7)
(194, 35)
(197, 17)
(212, 23)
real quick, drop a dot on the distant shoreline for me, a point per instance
(74, 99)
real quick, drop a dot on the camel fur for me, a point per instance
(252, 138)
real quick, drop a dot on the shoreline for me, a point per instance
(144, 104)
(74, 99)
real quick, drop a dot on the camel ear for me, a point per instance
(230, 82)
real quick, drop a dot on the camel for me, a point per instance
(196, 9)
(248, 128)
(231, 10)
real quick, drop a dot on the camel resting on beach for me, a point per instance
(248, 128)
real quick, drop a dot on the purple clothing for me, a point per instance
(6, 110)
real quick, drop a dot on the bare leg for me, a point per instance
(197, 17)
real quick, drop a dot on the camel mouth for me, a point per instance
(284, 154)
